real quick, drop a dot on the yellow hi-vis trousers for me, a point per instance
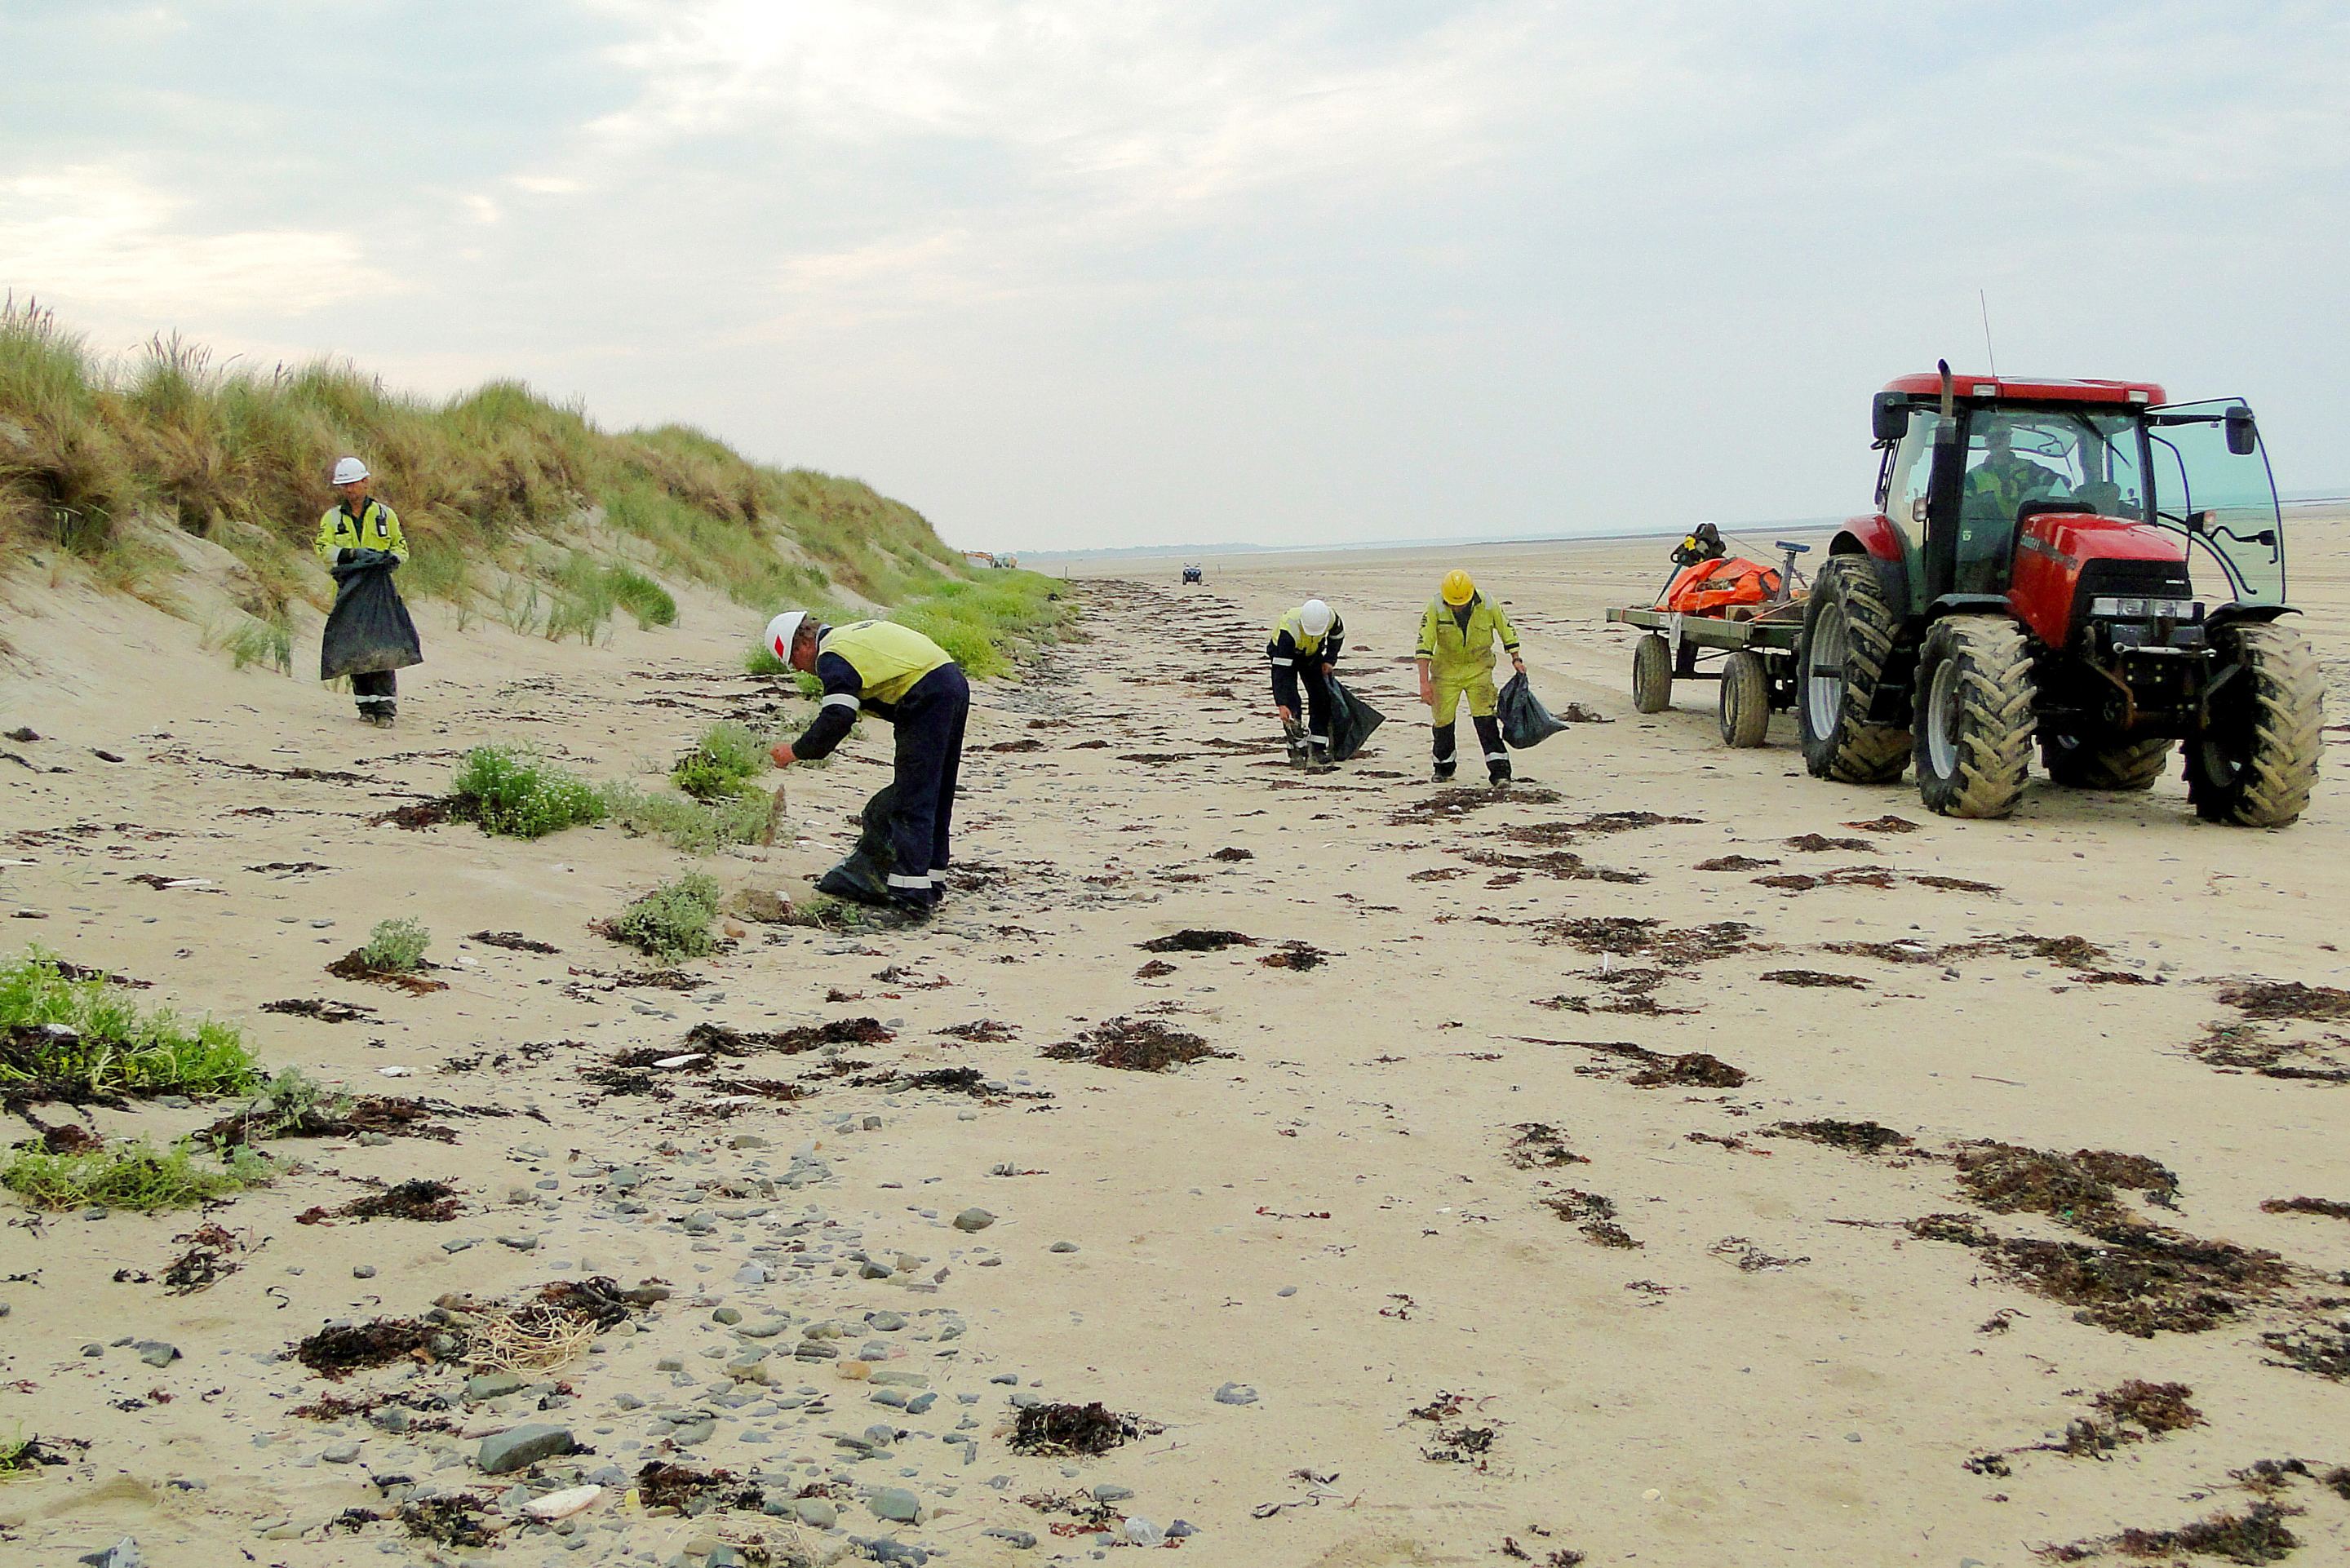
(1477, 687)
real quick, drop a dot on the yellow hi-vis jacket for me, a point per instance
(1457, 653)
(888, 658)
(377, 527)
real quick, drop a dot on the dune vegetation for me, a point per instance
(517, 508)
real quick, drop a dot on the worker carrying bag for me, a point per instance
(1352, 719)
(863, 877)
(1524, 720)
(368, 629)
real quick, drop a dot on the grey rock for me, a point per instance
(727, 1315)
(155, 1353)
(896, 1503)
(1109, 1492)
(1181, 1528)
(686, 1434)
(520, 1447)
(1062, 1247)
(124, 1553)
(1235, 1394)
(460, 1245)
(341, 1453)
(363, 1271)
(887, 1322)
(491, 1385)
(973, 1220)
(816, 1512)
(765, 1328)
(1019, 1539)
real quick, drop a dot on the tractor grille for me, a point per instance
(2103, 579)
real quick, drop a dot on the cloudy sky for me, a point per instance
(1112, 271)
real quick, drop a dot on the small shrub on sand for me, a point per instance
(128, 1176)
(673, 921)
(396, 947)
(520, 796)
(86, 1035)
(725, 759)
(691, 826)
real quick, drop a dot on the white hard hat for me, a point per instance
(781, 631)
(349, 471)
(1314, 617)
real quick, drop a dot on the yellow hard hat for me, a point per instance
(1458, 589)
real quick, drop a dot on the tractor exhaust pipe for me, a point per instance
(1950, 400)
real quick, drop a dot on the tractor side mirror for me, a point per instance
(2243, 439)
(1888, 417)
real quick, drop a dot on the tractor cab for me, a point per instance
(1981, 476)
(2079, 563)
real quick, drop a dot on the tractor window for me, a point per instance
(2224, 504)
(2088, 461)
(1907, 482)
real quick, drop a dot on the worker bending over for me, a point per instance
(898, 673)
(1456, 660)
(1305, 645)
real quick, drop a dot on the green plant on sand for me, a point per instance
(396, 947)
(81, 1034)
(673, 921)
(136, 1176)
(517, 793)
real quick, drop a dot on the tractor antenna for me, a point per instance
(1983, 300)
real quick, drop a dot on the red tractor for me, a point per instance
(2031, 572)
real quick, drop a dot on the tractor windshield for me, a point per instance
(2222, 502)
(2086, 458)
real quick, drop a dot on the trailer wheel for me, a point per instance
(2257, 763)
(1849, 630)
(2119, 766)
(1745, 700)
(1974, 715)
(1652, 674)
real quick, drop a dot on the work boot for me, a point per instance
(1497, 775)
(1318, 759)
(1442, 773)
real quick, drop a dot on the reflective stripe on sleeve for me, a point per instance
(840, 699)
(1283, 663)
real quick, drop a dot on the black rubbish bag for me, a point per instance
(1524, 720)
(1352, 719)
(863, 877)
(368, 629)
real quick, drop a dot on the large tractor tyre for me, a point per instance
(1849, 632)
(1745, 700)
(1974, 716)
(2117, 764)
(2257, 761)
(1652, 674)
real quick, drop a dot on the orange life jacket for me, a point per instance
(1710, 588)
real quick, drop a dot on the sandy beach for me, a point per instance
(1497, 1225)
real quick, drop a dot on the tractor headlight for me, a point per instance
(2133, 608)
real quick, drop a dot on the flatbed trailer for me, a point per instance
(1753, 660)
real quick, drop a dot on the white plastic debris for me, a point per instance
(562, 1504)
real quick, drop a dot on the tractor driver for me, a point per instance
(1996, 489)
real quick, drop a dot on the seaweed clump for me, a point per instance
(1066, 1428)
(1133, 1045)
(2135, 1278)
(1860, 1137)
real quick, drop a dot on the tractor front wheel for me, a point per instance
(1652, 674)
(1974, 715)
(1849, 632)
(2117, 764)
(2256, 761)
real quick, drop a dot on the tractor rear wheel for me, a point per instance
(1974, 715)
(1745, 699)
(1652, 674)
(2116, 764)
(2257, 761)
(1849, 632)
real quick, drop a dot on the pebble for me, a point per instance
(1235, 1394)
(1020, 1540)
(155, 1353)
(1062, 1247)
(341, 1454)
(363, 1271)
(816, 1512)
(896, 1503)
(491, 1385)
(520, 1447)
(727, 1315)
(973, 1220)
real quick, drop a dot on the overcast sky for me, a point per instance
(1094, 273)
